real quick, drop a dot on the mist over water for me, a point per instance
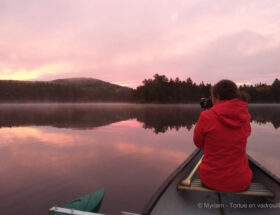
(51, 154)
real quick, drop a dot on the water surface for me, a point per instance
(52, 154)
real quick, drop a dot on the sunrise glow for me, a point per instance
(47, 40)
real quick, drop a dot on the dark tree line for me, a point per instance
(164, 90)
(262, 92)
(49, 91)
(160, 89)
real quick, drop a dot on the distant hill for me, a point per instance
(63, 90)
(99, 89)
(83, 82)
(91, 83)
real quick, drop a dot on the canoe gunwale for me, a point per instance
(263, 169)
(150, 205)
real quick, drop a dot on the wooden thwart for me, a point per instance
(255, 189)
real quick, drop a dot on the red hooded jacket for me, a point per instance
(222, 133)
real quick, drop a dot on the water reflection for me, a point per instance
(44, 163)
(263, 114)
(160, 118)
(45, 166)
(84, 116)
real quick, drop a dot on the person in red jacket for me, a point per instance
(222, 133)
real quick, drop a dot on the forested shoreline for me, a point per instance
(159, 89)
(63, 90)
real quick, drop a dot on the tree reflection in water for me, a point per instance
(268, 113)
(160, 118)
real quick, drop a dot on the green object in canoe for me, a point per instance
(89, 203)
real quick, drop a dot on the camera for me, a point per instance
(206, 103)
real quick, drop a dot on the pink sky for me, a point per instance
(126, 41)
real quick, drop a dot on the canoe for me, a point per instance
(88, 203)
(262, 197)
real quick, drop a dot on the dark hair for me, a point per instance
(225, 90)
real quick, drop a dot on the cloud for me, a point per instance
(126, 41)
(241, 56)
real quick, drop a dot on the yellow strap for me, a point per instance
(187, 181)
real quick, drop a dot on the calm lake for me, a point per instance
(52, 154)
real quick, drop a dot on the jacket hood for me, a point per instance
(233, 113)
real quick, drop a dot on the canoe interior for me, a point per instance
(168, 200)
